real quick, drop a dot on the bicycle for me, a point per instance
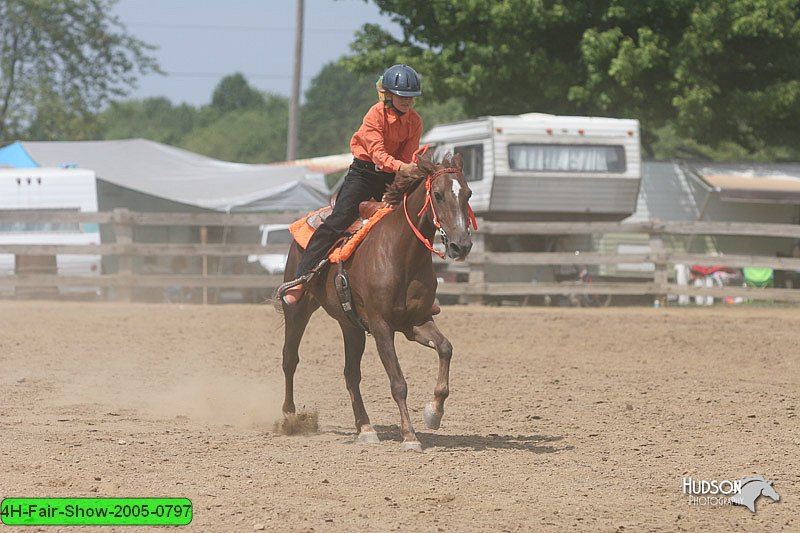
(584, 277)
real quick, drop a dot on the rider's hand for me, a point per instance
(409, 170)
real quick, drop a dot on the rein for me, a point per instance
(429, 203)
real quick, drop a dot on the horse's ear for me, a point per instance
(425, 164)
(458, 162)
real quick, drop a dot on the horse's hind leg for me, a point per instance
(354, 342)
(295, 320)
(429, 335)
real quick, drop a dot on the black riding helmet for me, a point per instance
(402, 80)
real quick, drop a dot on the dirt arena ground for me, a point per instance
(558, 419)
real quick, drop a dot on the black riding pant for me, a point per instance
(362, 183)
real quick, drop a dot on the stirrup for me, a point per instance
(282, 289)
(299, 289)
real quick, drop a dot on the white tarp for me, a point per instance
(186, 177)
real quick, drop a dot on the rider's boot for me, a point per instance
(296, 288)
(294, 294)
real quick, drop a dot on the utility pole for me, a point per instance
(294, 109)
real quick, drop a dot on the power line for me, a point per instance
(223, 74)
(236, 28)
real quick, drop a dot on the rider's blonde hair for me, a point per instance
(380, 89)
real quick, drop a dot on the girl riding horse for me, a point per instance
(393, 285)
(383, 148)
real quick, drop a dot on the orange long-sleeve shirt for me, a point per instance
(387, 139)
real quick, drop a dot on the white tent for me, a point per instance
(181, 176)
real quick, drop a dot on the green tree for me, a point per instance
(69, 57)
(54, 120)
(337, 100)
(434, 113)
(152, 118)
(234, 93)
(240, 124)
(335, 103)
(253, 135)
(717, 71)
(252, 127)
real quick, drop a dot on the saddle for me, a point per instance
(369, 214)
(365, 211)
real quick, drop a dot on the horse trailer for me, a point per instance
(539, 167)
(546, 167)
(49, 190)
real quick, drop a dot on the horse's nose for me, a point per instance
(459, 250)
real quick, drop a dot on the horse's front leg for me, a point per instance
(384, 340)
(429, 335)
(295, 320)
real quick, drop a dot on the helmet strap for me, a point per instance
(390, 104)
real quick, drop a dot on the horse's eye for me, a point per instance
(438, 196)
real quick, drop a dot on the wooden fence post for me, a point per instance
(660, 275)
(477, 272)
(204, 241)
(123, 233)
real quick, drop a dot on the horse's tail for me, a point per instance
(277, 303)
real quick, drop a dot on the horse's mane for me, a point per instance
(402, 185)
(746, 480)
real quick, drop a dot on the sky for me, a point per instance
(202, 41)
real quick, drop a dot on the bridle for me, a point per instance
(429, 203)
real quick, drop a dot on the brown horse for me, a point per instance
(393, 286)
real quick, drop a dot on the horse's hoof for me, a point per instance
(368, 437)
(303, 423)
(412, 446)
(431, 417)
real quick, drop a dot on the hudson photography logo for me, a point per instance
(742, 492)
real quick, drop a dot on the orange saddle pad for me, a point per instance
(302, 229)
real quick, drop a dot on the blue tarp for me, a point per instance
(15, 156)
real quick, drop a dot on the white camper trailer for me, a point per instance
(49, 189)
(546, 167)
(538, 167)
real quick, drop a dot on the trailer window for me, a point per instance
(279, 236)
(48, 227)
(566, 158)
(473, 161)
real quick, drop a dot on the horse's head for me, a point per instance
(449, 197)
(753, 487)
(769, 491)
